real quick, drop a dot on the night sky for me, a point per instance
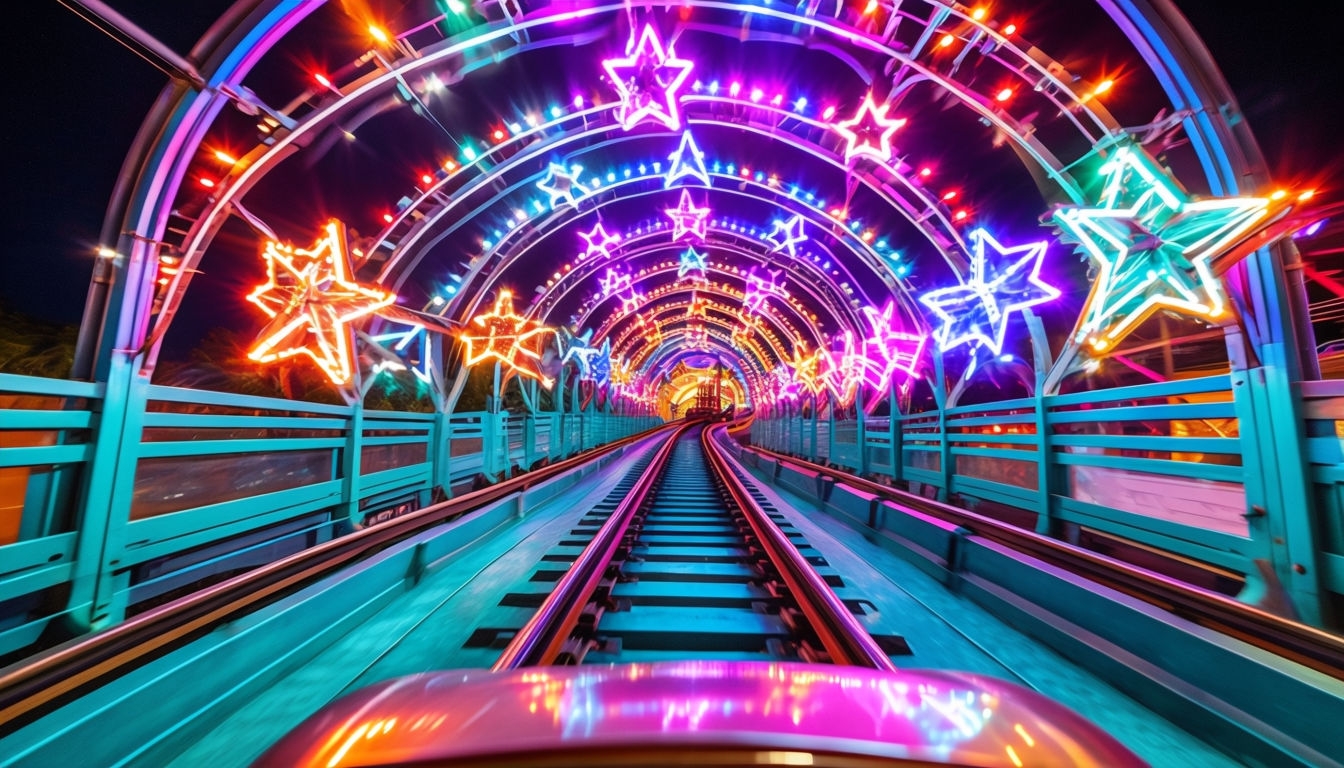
(78, 97)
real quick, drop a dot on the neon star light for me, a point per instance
(647, 80)
(577, 348)
(692, 261)
(614, 281)
(759, 289)
(412, 345)
(562, 185)
(503, 335)
(631, 302)
(599, 243)
(312, 299)
(787, 235)
(687, 219)
(889, 350)
(978, 311)
(687, 160)
(869, 131)
(1152, 248)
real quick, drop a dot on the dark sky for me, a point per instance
(77, 99)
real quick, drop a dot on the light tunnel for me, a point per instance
(927, 157)
(1003, 289)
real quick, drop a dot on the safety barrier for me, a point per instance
(1164, 465)
(108, 507)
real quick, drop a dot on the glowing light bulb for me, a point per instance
(387, 217)
(946, 41)
(979, 14)
(1102, 87)
(225, 157)
(1004, 95)
(1011, 29)
(378, 33)
(207, 183)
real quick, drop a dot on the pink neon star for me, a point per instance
(599, 243)
(688, 219)
(648, 80)
(860, 129)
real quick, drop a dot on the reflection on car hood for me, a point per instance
(929, 716)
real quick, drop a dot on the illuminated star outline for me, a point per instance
(792, 231)
(599, 241)
(614, 281)
(889, 350)
(686, 210)
(312, 298)
(560, 183)
(857, 141)
(681, 167)
(691, 259)
(760, 289)
(509, 337)
(979, 310)
(656, 98)
(1152, 248)
(404, 341)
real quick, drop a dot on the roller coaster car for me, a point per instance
(697, 713)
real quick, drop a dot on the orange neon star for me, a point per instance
(513, 340)
(311, 298)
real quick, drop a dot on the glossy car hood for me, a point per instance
(468, 715)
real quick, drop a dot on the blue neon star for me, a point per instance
(412, 346)
(688, 160)
(563, 185)
(978, 311)
(1152, 248)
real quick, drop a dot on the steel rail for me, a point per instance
(1276, 634)
(845, 640)
(542, 638)
(32, 687)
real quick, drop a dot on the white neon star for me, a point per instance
(787, 235)
(560, 184)
(859, 130)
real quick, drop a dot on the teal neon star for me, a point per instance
(692, 261)
(1152, 248)
(979, 310)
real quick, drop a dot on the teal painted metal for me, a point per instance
(1168, 465)
(124, 490)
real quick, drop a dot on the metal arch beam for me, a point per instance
(264, 36)
(467, 303)
(922, 211)
(629, 336)
(840, 305)
(619, 337)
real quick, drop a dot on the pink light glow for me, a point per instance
(687, 219)
(759, 289)
(647, 81)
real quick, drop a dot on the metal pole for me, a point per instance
(140, 42)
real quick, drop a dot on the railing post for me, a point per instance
(351, 458)
(97, 594)
(897, 427)
(861, 432)
(944, 445)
